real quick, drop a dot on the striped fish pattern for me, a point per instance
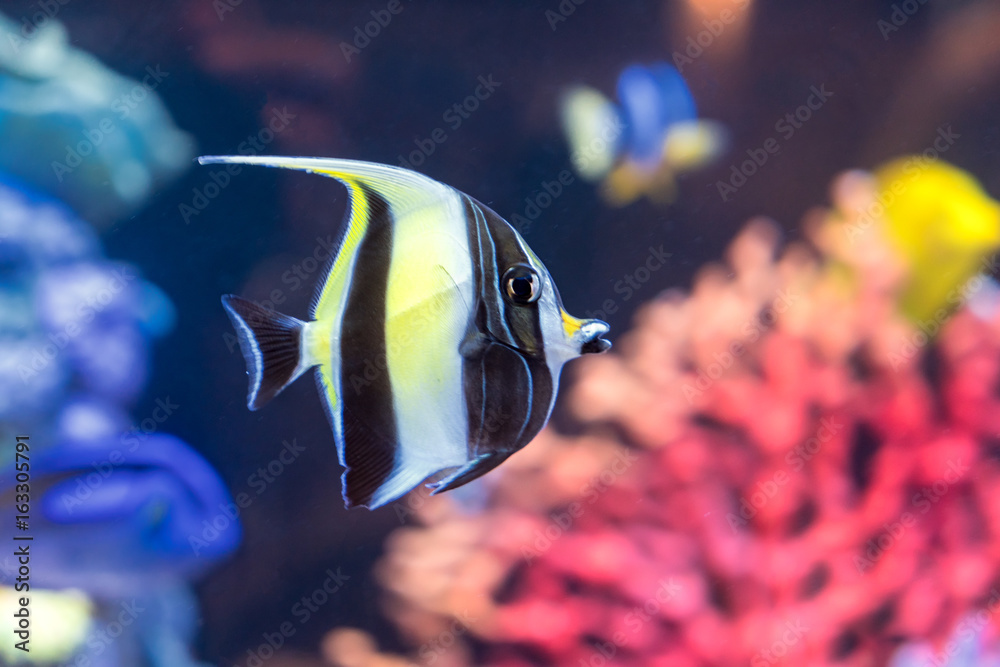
(438, 335)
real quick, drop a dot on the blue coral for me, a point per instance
(115, 512)
(75, 129)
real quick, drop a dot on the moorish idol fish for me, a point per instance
(639, 146)
(438, 335)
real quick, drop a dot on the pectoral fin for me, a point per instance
(474, 344)
(470, 471)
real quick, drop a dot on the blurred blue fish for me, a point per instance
(639, 146)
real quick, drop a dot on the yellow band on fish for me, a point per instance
(570, 324)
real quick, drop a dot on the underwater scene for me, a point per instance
(572, 333)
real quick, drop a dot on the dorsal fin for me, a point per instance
(403, 190)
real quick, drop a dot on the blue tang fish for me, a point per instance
(438, 335)
(641, 144)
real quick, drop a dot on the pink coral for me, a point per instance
(776, 469)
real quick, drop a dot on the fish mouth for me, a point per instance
(591, 333)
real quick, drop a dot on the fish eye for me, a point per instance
(521, 284)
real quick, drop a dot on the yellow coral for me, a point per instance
(944, 226)
(59, 623)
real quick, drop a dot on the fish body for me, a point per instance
(438, 335)
(654, 100)
(638, 146)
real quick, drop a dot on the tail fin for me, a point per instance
(272, 346)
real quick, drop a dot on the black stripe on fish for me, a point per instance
(477, 335)
(516, 393)
(522, 321)
(543, 394)
(503, 384)
(508, 392)
(487, 325)
(491, 304)
(369, 418)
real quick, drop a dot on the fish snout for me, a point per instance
(590, 337)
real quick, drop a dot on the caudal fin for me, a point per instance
(272, 346)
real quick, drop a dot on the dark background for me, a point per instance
(227, 77)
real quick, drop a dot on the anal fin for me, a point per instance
(370, 458)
